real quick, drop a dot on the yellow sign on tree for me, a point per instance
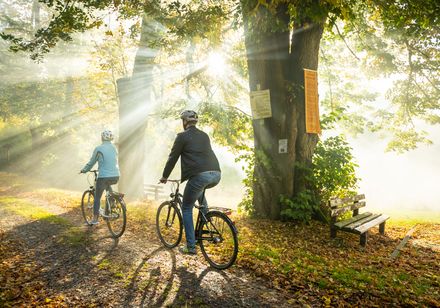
(311, 101)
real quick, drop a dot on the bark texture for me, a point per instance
(277, 56)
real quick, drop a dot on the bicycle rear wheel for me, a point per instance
(116, 217)
(87, 201)
(218, 240)
(169, 224)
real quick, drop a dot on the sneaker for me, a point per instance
(188, 250)
(94, 221)
(91, 223)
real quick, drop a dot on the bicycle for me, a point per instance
(215, 232)
(114, 211)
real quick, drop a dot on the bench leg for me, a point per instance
(364, 238)
(332, 227)
(382, 228)
(333, 231)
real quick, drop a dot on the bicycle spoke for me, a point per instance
(219, 242)
(87, 202)
(169, 225)
(116, 216)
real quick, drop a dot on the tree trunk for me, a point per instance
(37, 140)
(135, 95)
(5, 157)
(39, 148)
(35, 18)
(275, 65)
(132, 121)
(305, 54)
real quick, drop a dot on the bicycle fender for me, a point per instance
(229, 219)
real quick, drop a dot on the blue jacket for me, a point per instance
(107, 158)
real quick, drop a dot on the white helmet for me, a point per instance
(107, 135)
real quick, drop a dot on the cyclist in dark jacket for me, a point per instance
(199, 166)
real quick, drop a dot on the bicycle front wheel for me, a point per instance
(117, 216)
(218, 240)
(169, 224)
(87, 201)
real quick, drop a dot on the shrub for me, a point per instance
(334, 169)
(332, 175)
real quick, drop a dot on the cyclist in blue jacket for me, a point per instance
(199, 166)
(108, 169)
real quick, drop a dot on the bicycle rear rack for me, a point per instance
(221, 209)
(116, 194)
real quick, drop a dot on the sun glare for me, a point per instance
(216, 64)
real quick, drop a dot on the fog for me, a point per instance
(405, 185)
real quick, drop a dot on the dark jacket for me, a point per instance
(194, 148)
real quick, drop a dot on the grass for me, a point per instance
(62, 198)
(113, 267)
(70, 234)
(412, 217)
(351, 277)
(305, 256)
(298, 257)
(74, 236)
(104, 264)
(267, 253)
(30, 211)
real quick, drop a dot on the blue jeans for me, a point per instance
(194, 191)
(101, 184)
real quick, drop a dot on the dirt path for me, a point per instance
(55, 261)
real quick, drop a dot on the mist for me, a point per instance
(400, 184)
(403, 185)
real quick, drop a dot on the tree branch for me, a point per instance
(345, 42)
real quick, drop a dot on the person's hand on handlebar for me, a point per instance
(163, 180)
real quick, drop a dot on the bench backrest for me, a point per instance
(156, 190)
(152, 187)
(341, 206)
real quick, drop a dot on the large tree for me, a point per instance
(135, 95)
(282, 39)
(279, 47)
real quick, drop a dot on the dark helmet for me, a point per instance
(189, 116)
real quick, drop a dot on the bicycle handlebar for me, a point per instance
(166, 181)
(91, 171)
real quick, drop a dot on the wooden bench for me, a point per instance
(156, 191)
(359, 223)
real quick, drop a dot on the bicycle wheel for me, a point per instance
(169, 224)
(116, 218)
(218, 240)
(87, 200)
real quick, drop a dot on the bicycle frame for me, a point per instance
(177, 197)
(108, 195)
(214, 231)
